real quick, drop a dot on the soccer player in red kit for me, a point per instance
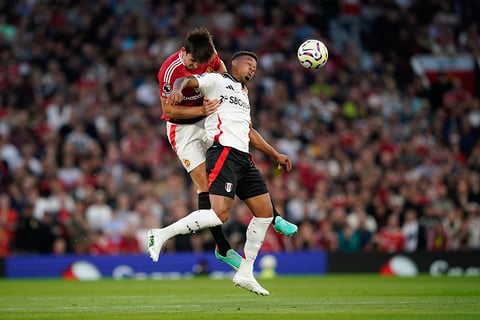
(186, 132)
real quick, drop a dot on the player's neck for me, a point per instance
(236, 79)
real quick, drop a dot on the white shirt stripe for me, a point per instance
(171, 68)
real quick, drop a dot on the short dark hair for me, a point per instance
(243, 53)
(199, 43)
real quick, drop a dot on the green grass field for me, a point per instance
(328, 297)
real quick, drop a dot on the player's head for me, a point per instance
(198, 48)
(243, 65)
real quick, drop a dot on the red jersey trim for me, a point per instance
(217, 136)
(172, 135)
(218, 165)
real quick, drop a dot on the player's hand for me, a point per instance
(175, 97)
(210, 106)
(283, 161)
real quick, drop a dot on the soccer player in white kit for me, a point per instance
(186, 132)
(230, 168)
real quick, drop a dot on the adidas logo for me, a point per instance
(230, 87)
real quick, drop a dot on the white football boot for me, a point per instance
(155, 243)
(248, 282)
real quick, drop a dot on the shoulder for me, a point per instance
(216, 61)
(172, 68)
(209, 80)
(209, 76)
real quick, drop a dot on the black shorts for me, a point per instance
(232, 172)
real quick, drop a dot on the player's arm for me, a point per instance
(176, 111)
(261, 144)
(171, 105)
(176, 95)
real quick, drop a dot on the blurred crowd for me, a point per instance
(383, 160)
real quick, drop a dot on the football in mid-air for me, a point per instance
(312, 54)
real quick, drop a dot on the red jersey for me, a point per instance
(173, 68)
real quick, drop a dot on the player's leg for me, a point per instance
(261, 208)
(223, 250)
(199, 178)
(193, 222)
(189, 142)
(253, 191)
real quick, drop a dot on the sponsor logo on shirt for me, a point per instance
(195, 97)
(235, 101)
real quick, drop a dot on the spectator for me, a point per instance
(26, 240)
(78, 230)
(390, 238)
(100, 244)
(365, 233)
(8, 225)
(359, 217)
(326, 237)
(129, 243)
(69, 173)
(305, 238)
(117, 226)
(411, 231)
(438, 238)
(348, 240)
(99, 213)
(473, 221)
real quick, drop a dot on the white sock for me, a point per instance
(256, 232)
(195, 221)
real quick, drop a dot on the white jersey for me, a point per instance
(230, 124)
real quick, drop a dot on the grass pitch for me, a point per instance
(364, 297)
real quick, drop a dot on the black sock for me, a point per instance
(204, 201)
(220, 239)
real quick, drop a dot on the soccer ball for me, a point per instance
(312, 54)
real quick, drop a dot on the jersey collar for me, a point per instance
(228, 75)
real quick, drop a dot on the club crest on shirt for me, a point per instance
(186, 162)
(228, 186)
(209, 69)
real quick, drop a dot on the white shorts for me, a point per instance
(190, 143)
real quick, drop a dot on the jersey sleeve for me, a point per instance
(207, 82)
(170, 70)
(165, 84)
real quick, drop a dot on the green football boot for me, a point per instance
(233, 259)
(282, 226)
